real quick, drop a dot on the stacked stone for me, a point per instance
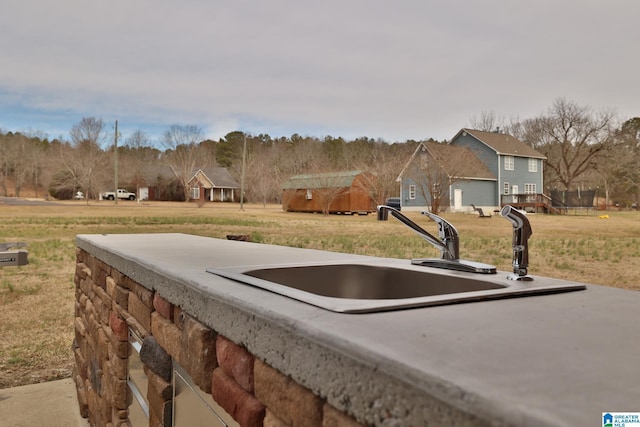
(109, 303)
(100, 344)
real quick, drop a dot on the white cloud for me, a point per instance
(396, 70)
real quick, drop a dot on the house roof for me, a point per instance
(502, 143)
(156, 171)
(459, 162)
(455, 161)
(215, 177)
(322, 180)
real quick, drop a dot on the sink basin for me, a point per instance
(368, 282)
(377, 286)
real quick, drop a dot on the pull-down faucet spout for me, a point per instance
(521, 233)
(448, 243)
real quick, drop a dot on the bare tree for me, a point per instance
(327, 187)
(185, 155)
(45, 165)
(263, 175)
(85, 164)
(573, 138)
(621, 177)
(385, 162)
(486, 122)
(20, 160)
(20, 155)
(434, 167)
(303, 155)
(38, 172)
(139, 157)
(90, 130)
(6, 161)
(430, 177)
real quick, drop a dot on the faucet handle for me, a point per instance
(446, 230)
(448, 235)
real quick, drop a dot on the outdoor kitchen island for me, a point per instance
(548, 360)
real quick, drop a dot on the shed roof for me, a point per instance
(322, 180)
(503, 143)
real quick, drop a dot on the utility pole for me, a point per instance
(244, 165)
(115, 163)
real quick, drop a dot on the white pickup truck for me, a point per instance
(122, 194)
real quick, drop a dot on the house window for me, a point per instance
(530, 191)
(508, 163)
(507, 186)
(412, 192)
(533, 165)
(309, 195)
(195, 193)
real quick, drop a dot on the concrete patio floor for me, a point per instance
(50, 404)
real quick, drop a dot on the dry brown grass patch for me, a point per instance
(37, 300)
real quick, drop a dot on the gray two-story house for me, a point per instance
(493, 169)
(518, 167)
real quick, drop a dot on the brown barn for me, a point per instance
(331, 192)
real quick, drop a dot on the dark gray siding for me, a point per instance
(419, 201)
(479, 193)
(520, 175)
(484, 153)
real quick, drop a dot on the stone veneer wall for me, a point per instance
(109, 303)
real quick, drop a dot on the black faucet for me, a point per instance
(521, 233)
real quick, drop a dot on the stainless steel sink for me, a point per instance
(379, 286)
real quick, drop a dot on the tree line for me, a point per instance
(584, 149)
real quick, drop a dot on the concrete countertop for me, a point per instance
(551, 360)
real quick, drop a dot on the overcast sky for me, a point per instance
(394, 70)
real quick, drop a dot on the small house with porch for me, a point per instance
(213, 184)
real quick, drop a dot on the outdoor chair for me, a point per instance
(481, 213)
